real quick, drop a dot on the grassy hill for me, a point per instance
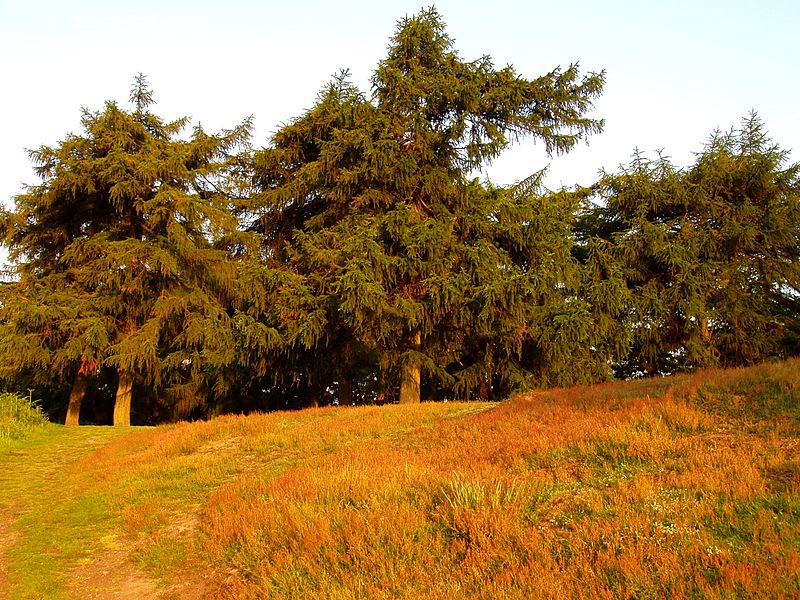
(678, 487)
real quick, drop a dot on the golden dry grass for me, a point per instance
(685, 487)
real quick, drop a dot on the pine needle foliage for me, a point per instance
(393, 252)
(710, 254)
(121, 254)
(357, 259)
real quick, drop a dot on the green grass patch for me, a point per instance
(58, 518)
(765, 396)
(163, 556)
(19, 416)
(743, 522)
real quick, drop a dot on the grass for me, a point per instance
(683, 487)
(19, 416)
(55, 520)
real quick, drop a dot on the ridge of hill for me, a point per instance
(687, 486)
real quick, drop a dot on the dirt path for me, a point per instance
(32, 475)
(7, 539)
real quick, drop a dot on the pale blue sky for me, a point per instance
(675, 70)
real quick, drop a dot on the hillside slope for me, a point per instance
(683, 487)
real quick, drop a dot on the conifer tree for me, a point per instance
(709, 254)
(121, 255)
(368, 203)
(751, 199)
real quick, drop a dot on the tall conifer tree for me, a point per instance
(398, 254)
(710, 254)
(121, 255)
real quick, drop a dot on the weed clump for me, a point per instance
(19, 416)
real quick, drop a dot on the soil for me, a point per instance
(7, 539)
(112, 575)
(111, 572)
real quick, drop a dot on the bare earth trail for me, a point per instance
(38, 478)
(103, 512)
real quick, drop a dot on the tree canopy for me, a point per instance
(122, 255)
(356, 257)
(709, 254)
(402, 257)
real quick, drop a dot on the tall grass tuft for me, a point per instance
(19, 416)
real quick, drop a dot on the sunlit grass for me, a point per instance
(587, 492)
(19, 416)
(683, 487)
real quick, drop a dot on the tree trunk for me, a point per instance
(75, 399)
(313, 397)
(122, 405)
(706, 333)
(410, 377)
(345, 390)
(381, 395)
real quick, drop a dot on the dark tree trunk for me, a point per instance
(345, 390)
(75, 399)
(313, 397)
(381, 395)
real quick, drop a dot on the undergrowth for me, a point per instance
(19, 416)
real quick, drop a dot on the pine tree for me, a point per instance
(396, 254)
(751, 201)
(709, 254)
(122, 254)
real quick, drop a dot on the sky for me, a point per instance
(676, 70)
